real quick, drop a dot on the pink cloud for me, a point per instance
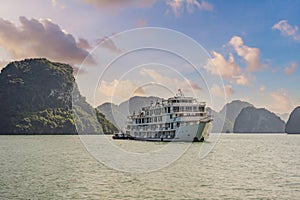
(242, 79)
(249, 54)
(226, 68)
(291, 68)
(262, 88)
(118, 4)
(287, 30)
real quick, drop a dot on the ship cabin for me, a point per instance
(162, 118)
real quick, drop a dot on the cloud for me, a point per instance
(290, 69)
(109, 44)
(280, 102)
(287, 30)
(219, 65)
(242, 79)
(262, 88)
(83, 44)
(40, 38)
(118, 4)
(178, 6)
(56, 4)
(218, 91)
(172, 83)
(118, 91)
(250, 55)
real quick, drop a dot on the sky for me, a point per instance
(218, 51)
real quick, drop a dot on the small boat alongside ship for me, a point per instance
(178, 118)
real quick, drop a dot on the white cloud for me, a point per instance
(288, 70)
(227, 69)
(218, 91)
(218, 65)
(118, 91)
(287, 30)
(172, 83)
(41, 38)
(249, 54)
(178, 6)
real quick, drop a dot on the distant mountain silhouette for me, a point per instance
(117, 114)
(224, 120)
(258, 120)
(293, 123)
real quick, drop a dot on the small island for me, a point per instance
(36, 98)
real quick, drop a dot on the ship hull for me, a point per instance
(191, 133)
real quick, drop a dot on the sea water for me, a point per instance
(240, 166)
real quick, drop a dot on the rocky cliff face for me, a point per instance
(36, 98)
(224, 120)
(293, 123)
(254, 120)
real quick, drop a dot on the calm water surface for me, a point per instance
(239, 167)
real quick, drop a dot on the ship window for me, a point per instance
(188, 108)
(176, 109)
(201, 108)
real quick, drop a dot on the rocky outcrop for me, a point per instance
(293, 123)
(224, 120)
(254, 120)
(36, 98)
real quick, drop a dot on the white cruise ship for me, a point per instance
(178, 118)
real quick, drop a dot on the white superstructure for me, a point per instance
(178, 118)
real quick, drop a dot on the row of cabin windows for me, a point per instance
(160, 126)
(188, 109)
(176, 109)
(148, 120)
(155, 126)
(159, 118)
(161, 134)
(181, 101)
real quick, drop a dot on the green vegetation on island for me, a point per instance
(36, 98)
